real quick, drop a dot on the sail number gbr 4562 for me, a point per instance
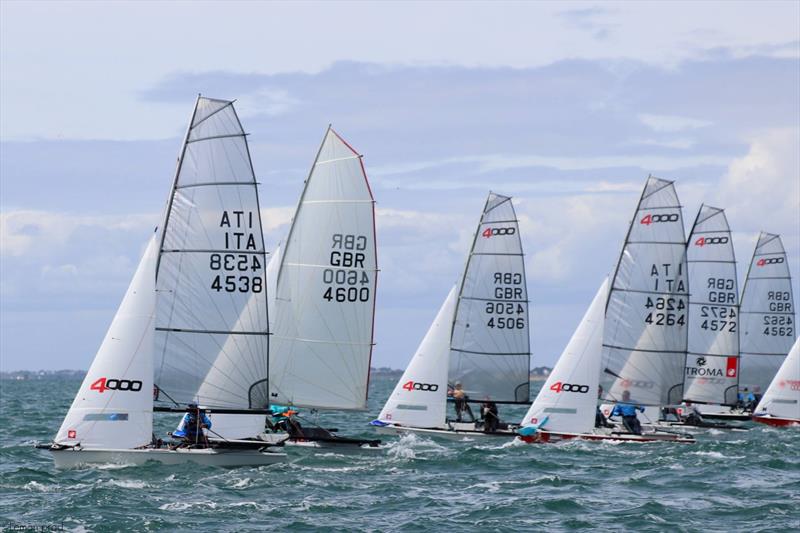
(346, 280)
(232, 271)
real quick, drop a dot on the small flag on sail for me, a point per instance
(730, 371)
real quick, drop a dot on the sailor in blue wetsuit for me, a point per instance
(746, 400)
(627, 410)
(192, 424)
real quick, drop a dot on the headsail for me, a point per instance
(211, 312)
(325, 299)
(712, 358)
(782, 398)
(420, 397)
(490, 347)
(114, 406)
(568, 399)
(767, 314)
(644, 339)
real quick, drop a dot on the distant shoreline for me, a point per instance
(536, 374)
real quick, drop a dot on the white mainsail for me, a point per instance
(211, 314)
(490, 346)
(712, 358)
(767, 314)
(114, 405)
(644, 339)
(782, 399)
(420, 397)
(325, 296)
(568, 399)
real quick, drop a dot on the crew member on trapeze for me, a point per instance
(627, 410)
(192, 425)
(461, 405)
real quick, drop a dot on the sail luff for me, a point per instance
(168, 208)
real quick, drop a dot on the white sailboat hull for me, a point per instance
(455, 434)
(553, 436)
(71, 458)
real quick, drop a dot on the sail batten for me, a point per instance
(211, 320)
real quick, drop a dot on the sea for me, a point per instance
(727, 481)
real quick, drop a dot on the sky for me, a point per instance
(567, 107)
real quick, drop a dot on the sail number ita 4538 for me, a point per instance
(346, 280)
(237, 272)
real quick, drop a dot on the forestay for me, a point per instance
(712, 359)
(114, 405)
(490, 347)
(644, 340)
(568, 399)
(325, 297)
(782, 399)
(211, 312)
(420, 397)
(767, 314)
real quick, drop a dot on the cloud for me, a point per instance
(593, 20)
(669, 123)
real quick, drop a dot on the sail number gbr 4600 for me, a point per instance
(346, 280)
(232, 271)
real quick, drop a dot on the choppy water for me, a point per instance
(726, 482)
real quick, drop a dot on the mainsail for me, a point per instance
(490, 346)
(325, 295)
(782, 398)
(568, 399)
(114, 406)
(767, 314)
(712, 358)
(644, 339)
(211, 339)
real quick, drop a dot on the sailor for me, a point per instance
(691, 416)
(747, 400)
(192, 424)
(600, 420)
(461, 404)
(491, 418)
(627, 410)
(283, 419)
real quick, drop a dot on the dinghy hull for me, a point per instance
(541, 437)
(448, 434)
(72, 457)
(776, 421)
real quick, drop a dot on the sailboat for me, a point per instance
(479, 340)
(767, 322)
(780, 405)
(630, 333)
(188, 329)
(324, 302)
